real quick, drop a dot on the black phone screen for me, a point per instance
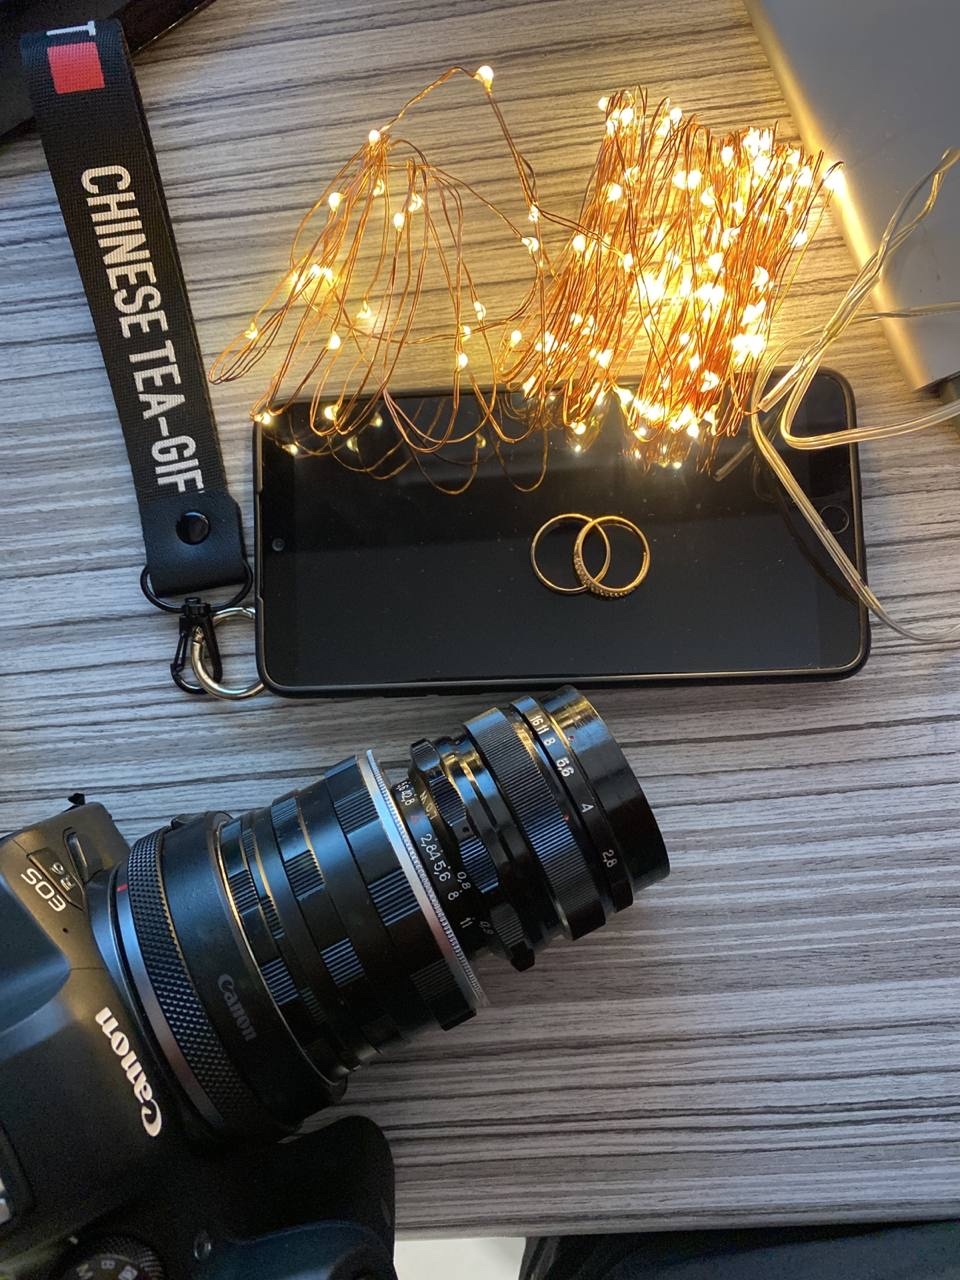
(367, 585)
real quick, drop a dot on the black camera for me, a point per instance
(168, 1012)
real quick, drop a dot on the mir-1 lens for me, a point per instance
(276, 952)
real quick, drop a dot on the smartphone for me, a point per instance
(378, 586)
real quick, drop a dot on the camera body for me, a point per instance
(171, 1011)
(96, 1145)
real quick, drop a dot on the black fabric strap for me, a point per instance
(105, 172)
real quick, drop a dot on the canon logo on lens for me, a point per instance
(237, 1011)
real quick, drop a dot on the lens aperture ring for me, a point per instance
(509, 754)
(372, 859)
(514, 939)
(487, 899)
(586, 804)
(466, 911)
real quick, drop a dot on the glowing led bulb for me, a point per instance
(753, 311)
(480, 309)
(485, 75)
(266, 418)
(578, 428)
(726, 155)
(462, 359)
(415, 204)
(373, 137)
(534, 214)
(715, 262)
(614, 191)
(516, 338)
(398, 220)
(333, 342)
(579, 243)
(330, 412)
(466, 331)
(251, 332)
(603, 103)
(628, 262)
(292, 448)
(605, 358)
(531, 243)
(365, 314)
(799, 240)
(334, 200)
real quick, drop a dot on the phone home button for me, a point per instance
(835, 517)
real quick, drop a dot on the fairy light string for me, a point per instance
(657, 300)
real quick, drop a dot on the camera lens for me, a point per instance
(276, 952)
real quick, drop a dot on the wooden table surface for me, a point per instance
(771, 1035)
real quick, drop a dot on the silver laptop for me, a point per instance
(876, 83)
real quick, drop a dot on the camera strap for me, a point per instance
(104, 169)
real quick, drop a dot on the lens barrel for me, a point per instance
(276, 952)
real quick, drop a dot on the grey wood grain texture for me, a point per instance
(770, 1035)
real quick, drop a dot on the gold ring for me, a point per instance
(594, 582)
(567, 516)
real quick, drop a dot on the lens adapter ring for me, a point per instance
(188, 1024)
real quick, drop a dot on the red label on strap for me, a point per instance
(75, 67)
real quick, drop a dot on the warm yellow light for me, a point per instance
(516, 338)
(485, 75)
(603, 103)
(462, 359)
(373, 137)
(333, 342)
(614, 191)
(531, 243)
(334, 200)
(399, 218)
(330, 412)
(251, 332)
(579, 243)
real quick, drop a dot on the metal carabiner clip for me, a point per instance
(201, 646)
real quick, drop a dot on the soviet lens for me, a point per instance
(276, 952)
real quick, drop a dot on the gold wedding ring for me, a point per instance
(593, 582)
(567, 517)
